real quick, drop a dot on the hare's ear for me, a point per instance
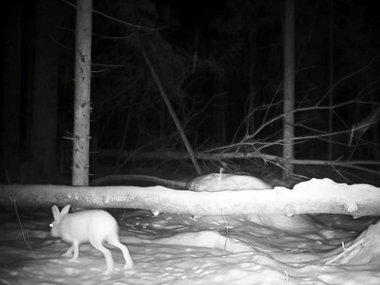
(55, 212)
(65, 210)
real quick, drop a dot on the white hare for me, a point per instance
(93, 226)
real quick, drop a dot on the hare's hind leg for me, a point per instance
(114, 240)
(107, 254)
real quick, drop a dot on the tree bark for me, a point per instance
(10, 121)
(252, 73)
(288, 151)
(314, 196)
(331, 78)
(45, 95)
(81, 139)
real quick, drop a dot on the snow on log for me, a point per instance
(314, 196)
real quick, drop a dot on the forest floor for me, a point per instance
(179, 249)
(182, 249)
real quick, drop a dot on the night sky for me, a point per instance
(221, 65)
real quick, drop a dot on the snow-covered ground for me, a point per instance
(179, 249)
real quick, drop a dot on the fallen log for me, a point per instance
(310, 197)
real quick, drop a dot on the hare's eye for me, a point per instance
(51, 225)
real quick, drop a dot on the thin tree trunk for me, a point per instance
(195, 55)
(375, 130)
(221, 121)
(126, 126)
(81, 139)
(45, 94)
(331, 77)
(10, 121)
(252, 74)
(288, 151)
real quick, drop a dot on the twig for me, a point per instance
(16, 211)
(115, 19)
(227, 229)
(346, 251)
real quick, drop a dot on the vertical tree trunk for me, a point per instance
(43, 140)
(375, 129)
(288, 151)
(331, 76)
(10, 121)
(126, 127)
(81, 139)
(252, 73)
(221, 113)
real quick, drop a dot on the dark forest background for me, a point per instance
(221, 64)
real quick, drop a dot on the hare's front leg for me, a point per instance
(74, 248)
(69, 252)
